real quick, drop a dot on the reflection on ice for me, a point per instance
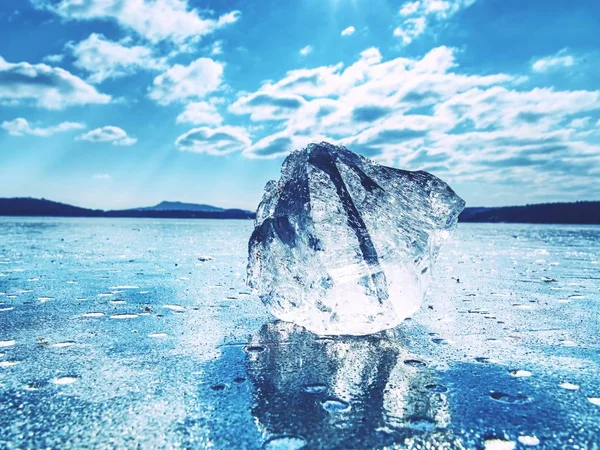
(342, 392)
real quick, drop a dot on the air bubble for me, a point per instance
(335, 405)
(315, 388)
(529, 440)
(62, 381)
(285, 443)
(93, 314)
(503, 397)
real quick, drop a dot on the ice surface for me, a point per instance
(343, 245)
(133, 390)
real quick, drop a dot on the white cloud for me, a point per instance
(102, 177)
(306, 50)
(582, 122)
(105, 59)
(560, 60)
(411, 29)
(417, 15)
(155, 20)
(266, 106)
(114, 135)
(216, 48)
(424, 113)
(179, 83)
(200, 113)
(44, 86)
(21, 127)
(348, 31)
(410, 8)
(53, 59)
(214, 141)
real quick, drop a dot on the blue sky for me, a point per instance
(121, 103)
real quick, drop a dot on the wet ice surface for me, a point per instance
(144, 342)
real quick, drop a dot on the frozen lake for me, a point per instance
(121, 334)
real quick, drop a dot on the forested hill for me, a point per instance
(575, 213)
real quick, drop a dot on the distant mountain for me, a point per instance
(42, 207)
(575, 213)
(180, 206)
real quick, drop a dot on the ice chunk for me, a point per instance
(342, 245)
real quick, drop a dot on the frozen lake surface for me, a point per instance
(123, 334)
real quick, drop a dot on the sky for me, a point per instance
(123, 103)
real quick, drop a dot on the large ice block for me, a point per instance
(343, 245)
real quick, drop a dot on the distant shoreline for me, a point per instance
(578, 213)
(31, 207)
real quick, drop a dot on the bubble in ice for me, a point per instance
(437, 388)
(254, 349)
(421, 423)
(342, 245)
(335, 405)
(285, 443)
(594, 400)
(61, 381)
(158, 335)
(415, 363)
(176, 308)
(63, 344)
(498, 444)
(7, 364)
(315, 388)
(124, 316)
(519, 373)
(93, 314)
(569, 386)
(513, 399)
(8, 343)
(529, 440)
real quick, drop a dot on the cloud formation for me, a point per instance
(194, 81)
(560, 60)
(105, 59)
(214, 141)
(21, 127)
(155, 20)
(200, 113)
(416, 15)
(348, 31)
(45, 86)
(306, 50)
(423, 113)
(114, 135)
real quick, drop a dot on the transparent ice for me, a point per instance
(342, 245)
